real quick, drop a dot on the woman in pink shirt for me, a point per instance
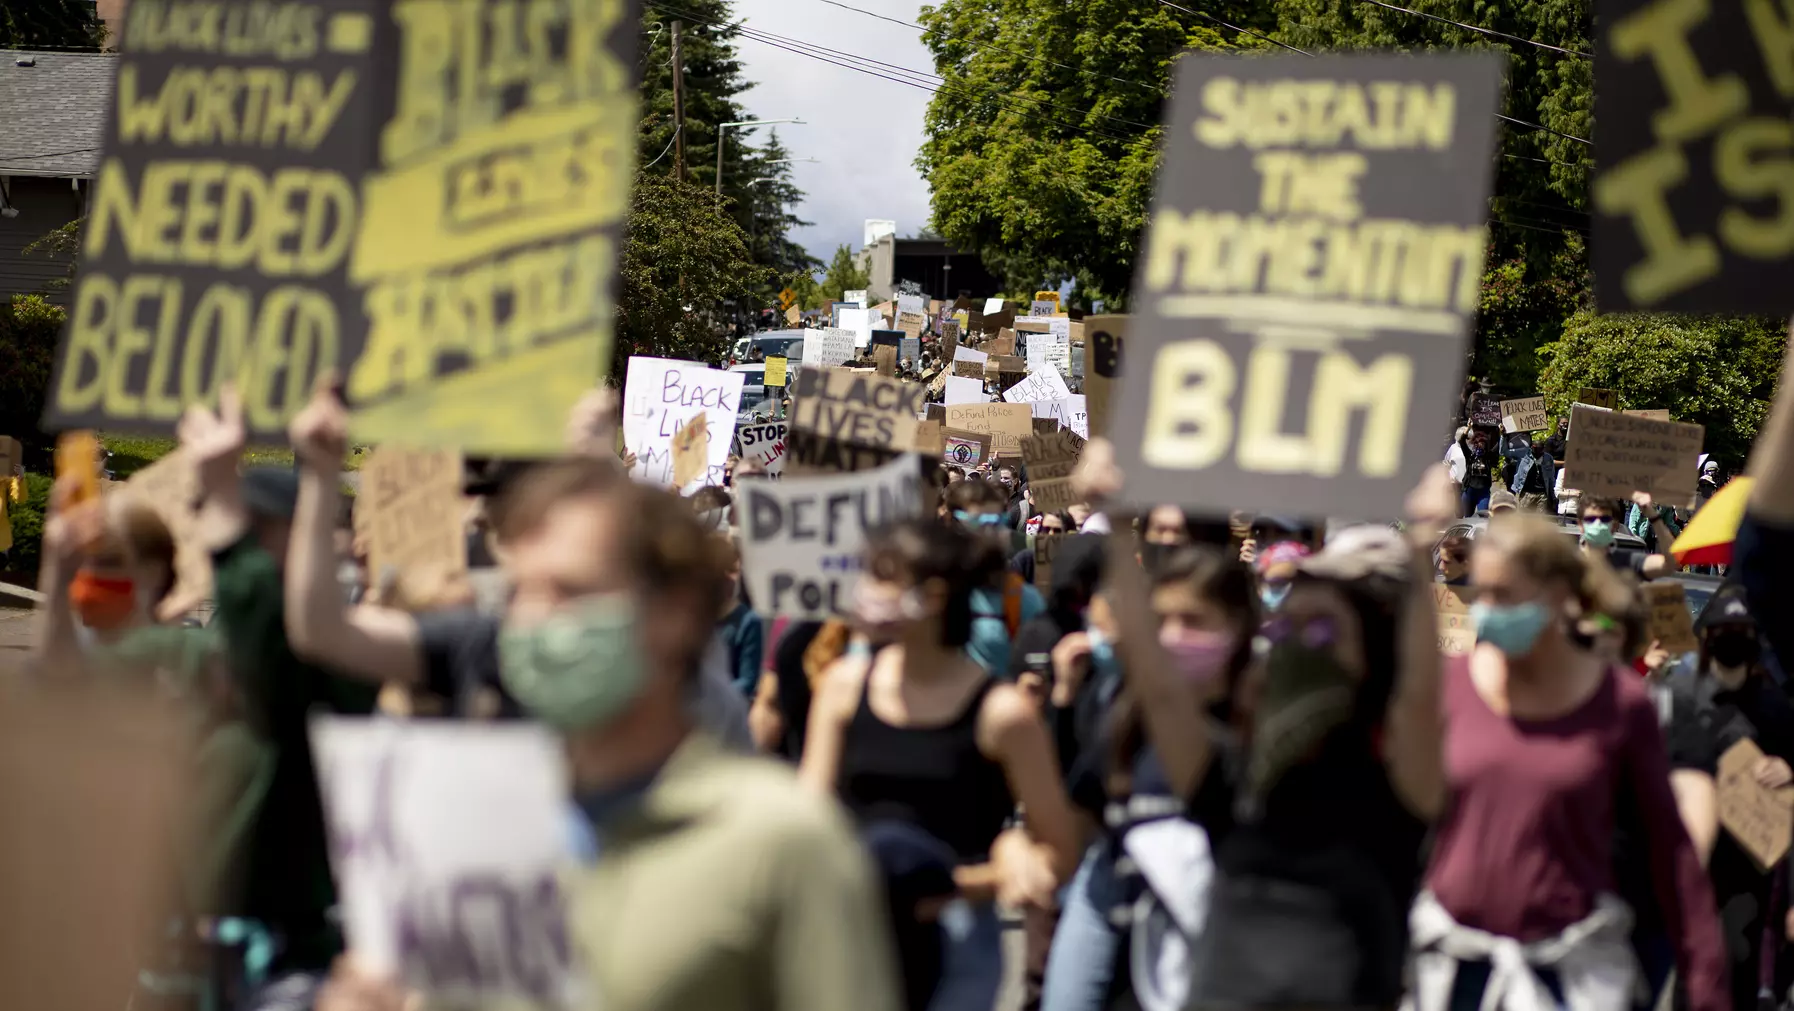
(1552, 753)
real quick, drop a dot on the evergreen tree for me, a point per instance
(50, 24)
(843, 275)
(766, 211)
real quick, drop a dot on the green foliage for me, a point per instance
(29, 327)
(1043, 142)
(62, 243)
(1523, 308)
(1715, 371)
(679, 251)
(841, 277)
(50, 24)
(769, 219)
(27, 519)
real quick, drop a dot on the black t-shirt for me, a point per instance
(461, 664)
(1478, 467)
(794, 685)
(1535, 478)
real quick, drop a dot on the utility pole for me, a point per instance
(678, 106)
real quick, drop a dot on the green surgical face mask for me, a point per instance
(580, 668)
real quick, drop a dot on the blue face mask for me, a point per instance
(986, 520)
(1102, 653)
(1513, 630)
(1598, 532)
(1273, 596)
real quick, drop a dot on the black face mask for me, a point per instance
(1734, 649)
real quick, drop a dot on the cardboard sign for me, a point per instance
(1686, 197)
(775, 371)
(1041, 307)
(659, 396)
(802, 537)
(1006, 424)
(1271, 365)
(395, 205)
(949, 331)
(1671, 624)
(965, 390)
(1485, 410)
(691, 450)
(415, 521)
(966, 450)
(969, 370)
(1046, 426)
(170, 487)
(1525, 414)
(911, 305)
(884, 357)
(764, 444)
(1071, 412)
(849, 421)
(1457, 633)
(857, 297)
(1758, 817)
(1037, 387)
(447, 840)
(1002, 344)
(1654, 415)
(1102, 366)
(1046, 550)
(931, 440)
(992, 306)
(1609, 399)
(999, 322)
(1611, 455)
(1050, 459)
(910, 350)
(970, 355)
(793, 316)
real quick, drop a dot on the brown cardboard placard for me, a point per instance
(1002, 344)
(885, 358)
(1652, 413)
(793, 315)
(1457, 635)
(1104, 338)
(1671, 624)
(1077, 331)
(1612, 454)
(1524, 414)
(930, 442)
(968, 370)
(1758, 817)
(967, 450)
(1050, 460)
(937, 412)
(996, 322)
(415, 520)
(170, 487)
(1046, 550)
(1006, 424)
(1033, 324)
(1046, 426)
(1596, 397)
(844, 420)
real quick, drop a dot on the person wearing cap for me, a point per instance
(1276, 567)
(244, 519)
(1723, 697)
(1534, 479)
(1502, 501)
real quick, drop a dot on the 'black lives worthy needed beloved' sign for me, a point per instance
(426, 196)
(1312, 262)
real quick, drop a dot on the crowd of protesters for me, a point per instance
(1196, 763)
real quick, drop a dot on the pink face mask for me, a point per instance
(1199, 656)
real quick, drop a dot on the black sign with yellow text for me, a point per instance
(426, 196)
(1693, 194)
(1303, 300)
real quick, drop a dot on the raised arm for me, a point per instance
(66, 531)
(1415, 731)
(216, 444)
(376, 643)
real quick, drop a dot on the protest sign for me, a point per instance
(391, 202)
(1457, 633)
(884, 357)
(857, 297)
(1612, 455)
(1304, 293)
(999, 322)
(1046, 550)
(1041, 307)
(969, 370)
(1037, 387)
(1671, 624)
(1758, 817)
(1033, 325)
(965, 390)
(775, 372)
(963, 354)
(967, 450)
(1046, 426)
(691, 451)
(447, 842)
(764, 444)
(659, 396)
(910, 350)
(1102, 366)
(849, 421)
(1002, 344)
(802, 537)
(1608, 399)
(1689, 196)
(860, 323)
(793, 316)
(891, 338)
(911, 305)
(1485, 410)
(992, 306)
(414, 518)
(1526, 414)
(1654, 415)
(1070, 412)
(1006, 424)
(1050, 460)
(950, 331)
(833, 346)
(930, 440)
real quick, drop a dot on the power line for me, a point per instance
(1245, 31)
(1540, 126)
(1484, 31)
(1001, 49)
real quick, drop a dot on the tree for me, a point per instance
(1043, 140)
(29, 326)
(769, 218)
(682, 262)
(1715, 371)
(842, 276)
(50, 24)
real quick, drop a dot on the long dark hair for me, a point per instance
(911, 552)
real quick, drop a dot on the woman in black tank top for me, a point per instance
(918, 732)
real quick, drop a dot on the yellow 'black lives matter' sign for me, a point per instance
(1303, 301)
(1694, 151)
(425, 194)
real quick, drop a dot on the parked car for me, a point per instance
(1697, 588)
(1473, 526)
(788, 343)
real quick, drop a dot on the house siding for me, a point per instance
(45, 204)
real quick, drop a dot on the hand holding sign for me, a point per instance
(691, 451)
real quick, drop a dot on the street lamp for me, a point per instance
(722, 138)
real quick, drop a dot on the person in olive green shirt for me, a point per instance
(705, 879)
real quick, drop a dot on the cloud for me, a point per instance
(863, 131)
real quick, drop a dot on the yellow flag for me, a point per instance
(5, 527)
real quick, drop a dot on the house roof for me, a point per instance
(53, 113)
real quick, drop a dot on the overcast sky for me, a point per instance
(862, 131)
